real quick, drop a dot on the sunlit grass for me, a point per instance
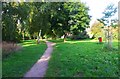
(28, 45)
(17, 64)
(83, 58)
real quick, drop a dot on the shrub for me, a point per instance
(82, 35)
(8, 48)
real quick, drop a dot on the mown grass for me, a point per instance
(85, 58)
(18, 63)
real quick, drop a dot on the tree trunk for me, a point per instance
(65, 37)
(30, 37)
(23, 35)
(38, 38)
(109, 38)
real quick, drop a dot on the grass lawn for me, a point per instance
(84, 58)
(18, 63)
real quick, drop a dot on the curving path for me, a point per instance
(40, 67)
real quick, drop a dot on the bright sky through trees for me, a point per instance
(98, 6)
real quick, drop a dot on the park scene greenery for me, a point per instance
(78, 52)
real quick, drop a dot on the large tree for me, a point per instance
(69, 17)
(79, 18)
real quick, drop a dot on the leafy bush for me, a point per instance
(82, 35)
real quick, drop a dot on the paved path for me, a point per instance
(40, 67)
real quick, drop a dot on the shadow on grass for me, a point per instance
(57, 41)
(62, 40)
(26, 42)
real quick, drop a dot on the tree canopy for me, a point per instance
(108, 13)
(24, 20)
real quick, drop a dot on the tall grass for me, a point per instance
(8, 48)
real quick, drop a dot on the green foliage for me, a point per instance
(53, 19)
(79, 18)
(40, 18)
(8, 22)
(12, 13)
(109, 11)
(68, 18)
(97, 29)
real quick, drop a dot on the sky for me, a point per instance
(97, 7)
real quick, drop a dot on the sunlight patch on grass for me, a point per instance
(72, 42)
(28, 45)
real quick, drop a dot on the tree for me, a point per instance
(106, 19)
(69, 18)
(97, 29)
(59, 22)
(9, 20)
(14, 20)
(39, 22)
(23, 10)
(79, 19)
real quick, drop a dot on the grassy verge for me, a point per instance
(18, 63)
(82, 58)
